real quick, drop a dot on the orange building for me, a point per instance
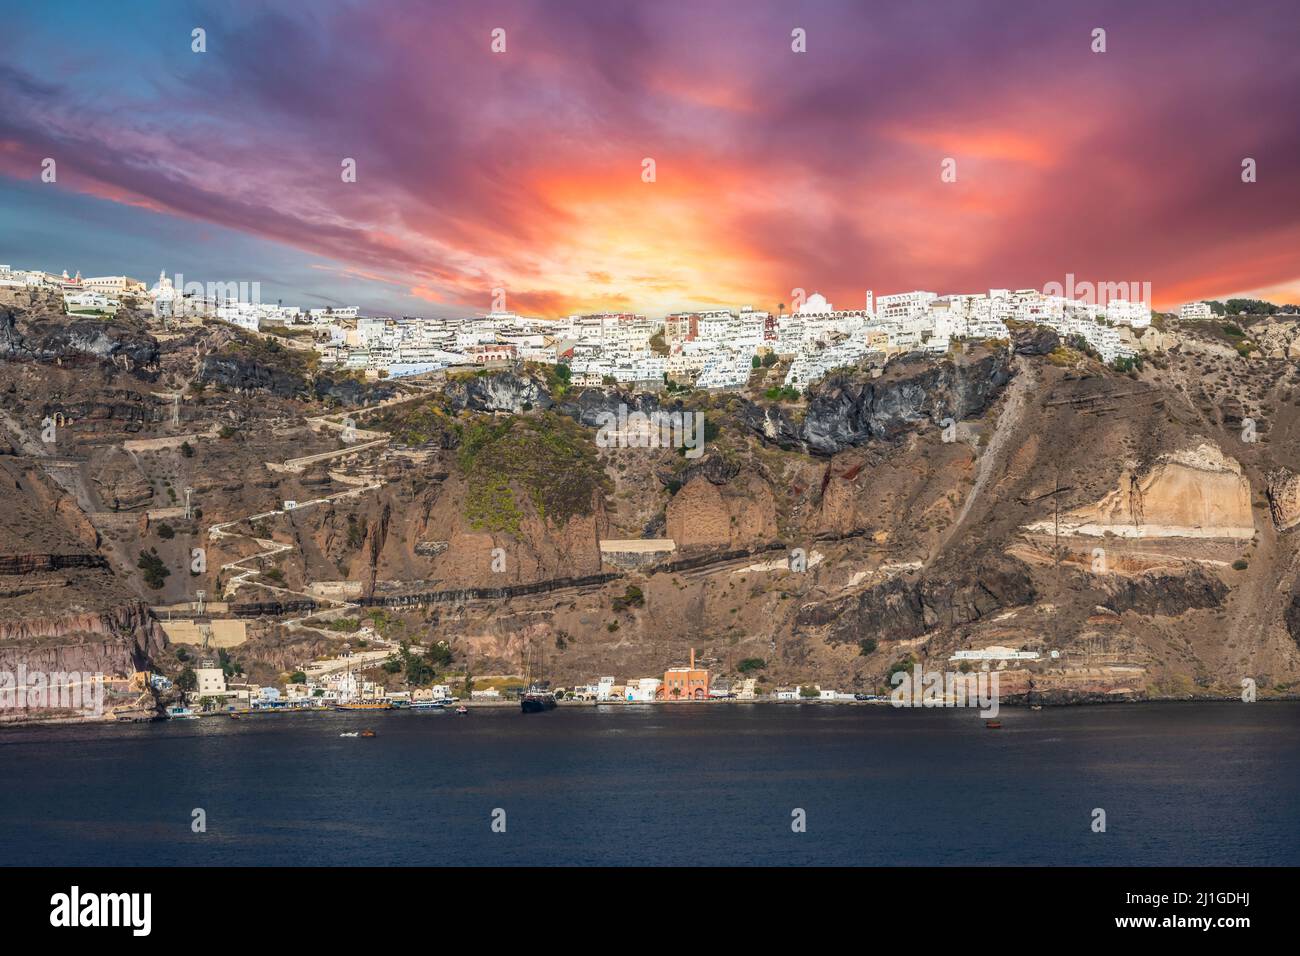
(685, 683)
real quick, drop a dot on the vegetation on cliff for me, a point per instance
(550, 459)
(419, 423)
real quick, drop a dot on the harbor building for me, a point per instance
(685, 683)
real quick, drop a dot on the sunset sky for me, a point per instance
(775, 170)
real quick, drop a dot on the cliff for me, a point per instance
(54, 337)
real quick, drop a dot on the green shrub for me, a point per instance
(155, 572)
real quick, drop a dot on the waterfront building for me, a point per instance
(211, 680)
(644, 690)
(685, 683)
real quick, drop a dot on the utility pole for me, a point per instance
(188, 511)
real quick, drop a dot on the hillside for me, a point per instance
(1136, 529)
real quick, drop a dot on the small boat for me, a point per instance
(1036, 707)
(462, 709)
(993, 724)
(368, 733)
(352, 734)
(234, 716)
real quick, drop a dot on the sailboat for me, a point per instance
(536, 700)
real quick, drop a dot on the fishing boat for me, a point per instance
(351, 734)
(462, 709)
(368, 733)
(993, 724)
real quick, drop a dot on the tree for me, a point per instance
(751, 664)
(155, 572)
(297, 677)
(229, 666)
(186, 680)
(439, 654)
(867, 646)
(902, 664)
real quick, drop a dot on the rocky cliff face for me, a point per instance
(1197, 492)
(17, 564)
(1035, 340)
(704, 514)
(909, 605)
(54, 338)
(350, 392)
(497, 392)
(116, 640)
(1164, 592)
(241, 374)
(845, 411)
(1284, 498)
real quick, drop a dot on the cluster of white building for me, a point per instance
(342, 687)
(95, 295)
(816, 692)
(1196, 312)
(711, 349)
(647, 690)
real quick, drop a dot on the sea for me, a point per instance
(1181, 784)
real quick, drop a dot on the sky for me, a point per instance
(773, 170)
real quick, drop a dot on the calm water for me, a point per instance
(1180, 783)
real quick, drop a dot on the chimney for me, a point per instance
(692, 658)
